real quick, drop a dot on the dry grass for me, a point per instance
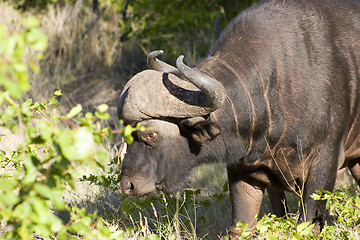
(85, 58)
(81, 44)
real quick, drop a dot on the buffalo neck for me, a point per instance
(245, 112)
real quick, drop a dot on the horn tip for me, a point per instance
(151, 57)
(156, 53)
(159, 52)
(180, 60)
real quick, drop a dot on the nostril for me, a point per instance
(126, 186)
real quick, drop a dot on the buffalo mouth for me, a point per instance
(142, 187)
(127, 187)
(137, 187)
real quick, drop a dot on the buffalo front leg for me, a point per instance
(322, 176)
(277, 201)
(245, 200)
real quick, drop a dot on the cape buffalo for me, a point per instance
(276, 98)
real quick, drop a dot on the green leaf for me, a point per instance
(315, 196)
(53, 101)
(261, 227)
(104, 116)
(37, 39)
(31, 22)
(81, 226)
(89, 116)
(102, 156)
(21, 71)
(14, 47)
(65, 141)
(62, 235)
(242, 225)
(154, 237)
(27, 103)
(31, 172)
(83, 143)
(103, 108)
(34, 66)
(55, 195)
(2, 31)
(74, 111)
(271, 236)
(2, 98)
(129, 139)
(125, 207)
(40, 56)
(128, 130)
(226, 187)
(9, 114)
(23, 210)
(58, 93)
(304, 228)
(43, 190)
(13, 88)
(9, 198)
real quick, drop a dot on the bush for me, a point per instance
(178, 26)
(34, 175)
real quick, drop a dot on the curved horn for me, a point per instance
(212, 88)
(159, 65)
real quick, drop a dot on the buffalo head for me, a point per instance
(174, 105)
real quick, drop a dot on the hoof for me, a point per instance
(316, 231)
(233, 233)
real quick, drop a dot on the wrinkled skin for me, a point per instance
(290, 119)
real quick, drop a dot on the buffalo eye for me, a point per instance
(151, 136)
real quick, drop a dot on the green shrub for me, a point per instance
(344, 207)
(178, 26)
(34, 175)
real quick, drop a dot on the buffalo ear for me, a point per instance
(200, 129)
